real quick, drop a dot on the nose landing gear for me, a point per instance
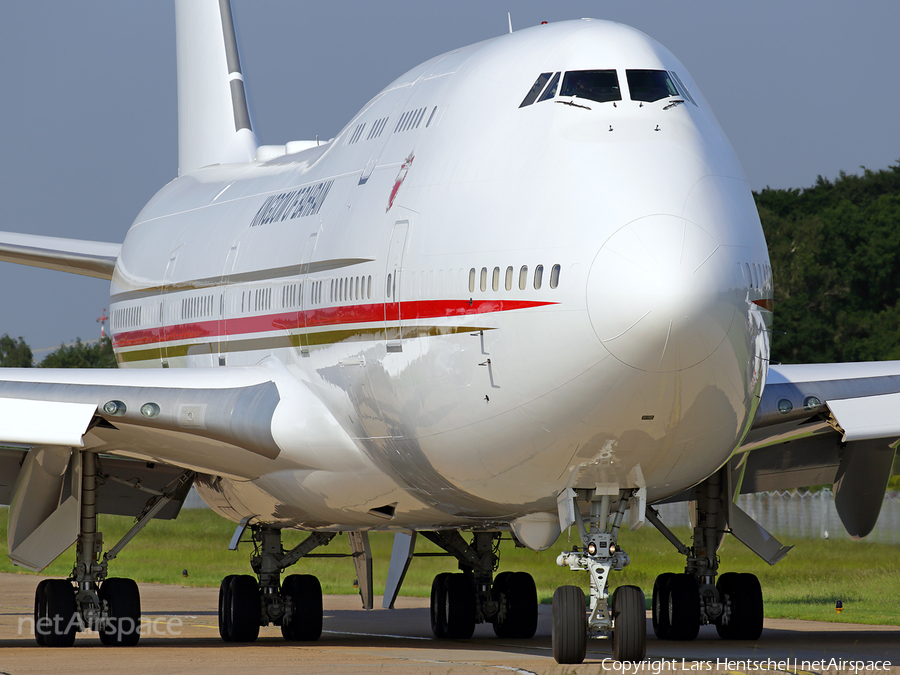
(623, 619)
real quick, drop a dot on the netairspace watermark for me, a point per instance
(744, 665)
(57, 625)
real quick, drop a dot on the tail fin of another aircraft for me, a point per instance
(213, 116)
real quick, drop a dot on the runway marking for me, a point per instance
(397, 637)
(513, 669)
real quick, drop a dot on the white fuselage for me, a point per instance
(392, 272)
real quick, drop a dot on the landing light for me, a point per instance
(592, 549)
(150, 410)
(811, 403)
(116, 408)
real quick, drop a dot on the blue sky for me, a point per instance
(801, 88)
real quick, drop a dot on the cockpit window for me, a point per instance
(536, 89)
(550, 92)
(594, 85)
(681, 88)
(650, 85)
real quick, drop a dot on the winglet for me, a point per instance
(214, 124)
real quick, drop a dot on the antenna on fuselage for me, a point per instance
(509, 16)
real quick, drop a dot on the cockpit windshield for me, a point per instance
(594, 85)
(650, 85)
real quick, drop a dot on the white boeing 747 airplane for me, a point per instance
(525, 288)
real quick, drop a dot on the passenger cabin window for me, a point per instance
(650, 85)
(538, 277)
(554, 276)
(595, 85)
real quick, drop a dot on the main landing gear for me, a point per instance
(683, 602)
(623, 617)
(109, 605)
(246, 603)
(474, 595)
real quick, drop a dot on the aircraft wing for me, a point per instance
(151, 430)
(89, 258)
(219, 421)
(826, 423)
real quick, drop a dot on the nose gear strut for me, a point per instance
(622, 620)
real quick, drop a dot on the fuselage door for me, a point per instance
(169, 316)
(305, 282)
(393, 277)
(226, 301)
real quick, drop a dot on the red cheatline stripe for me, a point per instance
(766, 303)
(319, 318)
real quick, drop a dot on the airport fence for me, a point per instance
(801, 514)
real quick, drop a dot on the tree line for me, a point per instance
(15, 353)
(835, 255)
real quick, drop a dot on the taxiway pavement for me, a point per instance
(180, 635)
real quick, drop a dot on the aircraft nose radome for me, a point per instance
(661, 294)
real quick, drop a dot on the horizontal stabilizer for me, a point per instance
(76, 256)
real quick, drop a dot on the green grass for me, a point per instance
(805, 585)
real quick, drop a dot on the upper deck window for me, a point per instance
(650, 85)
(594, 85)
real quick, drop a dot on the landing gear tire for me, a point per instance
(305, 594)
(459, 606)
(660, 606)
(123, 602)
(498, 591)
(39, 635)
(569, 625)
(239, 609)
(520, 618)
(54, 607)
(438, 602)
(743, 593)
(684, 607)
(629, 624)
(224, 615)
